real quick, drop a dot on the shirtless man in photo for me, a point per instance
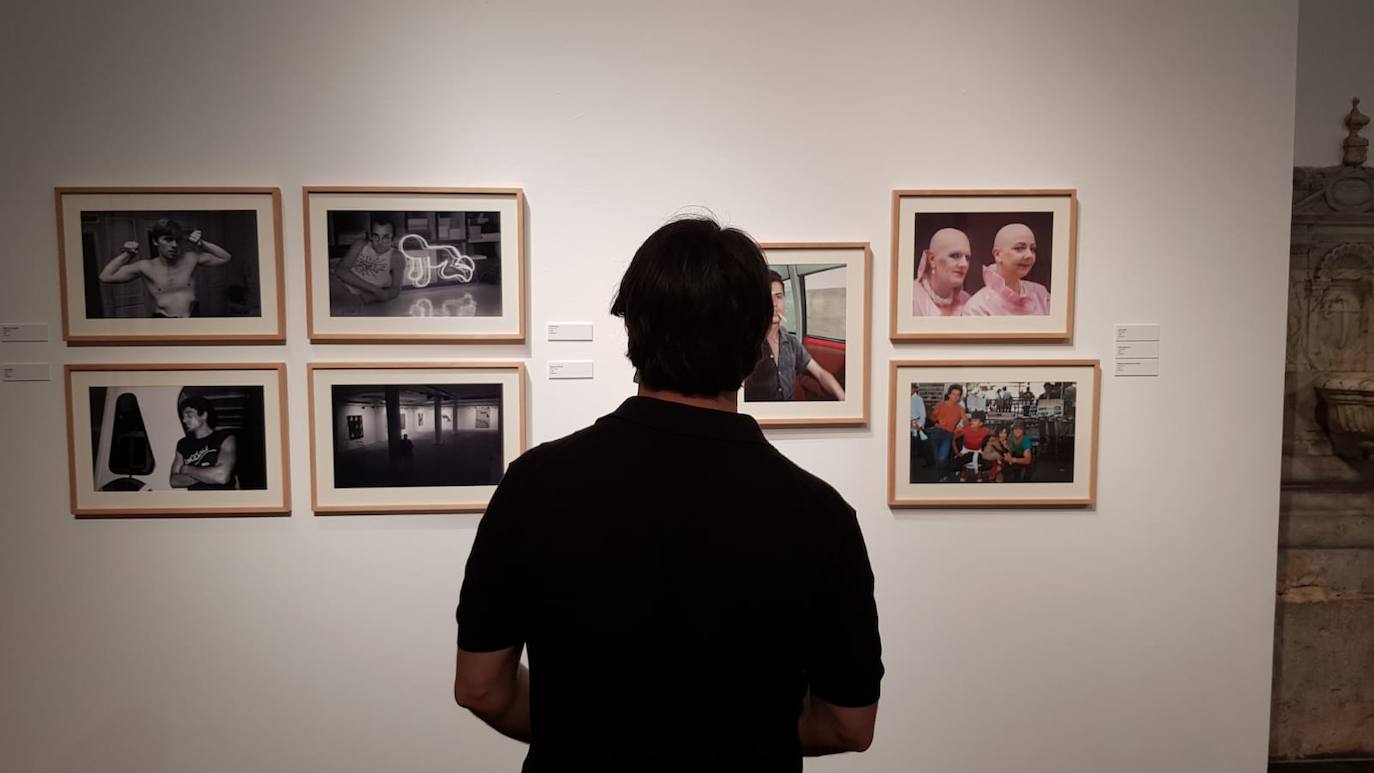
(169, 277)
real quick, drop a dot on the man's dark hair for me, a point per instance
(952, 388)
(166, 227)
(774, 276)
(696, 303)
(199, 405)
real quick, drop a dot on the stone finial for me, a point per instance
(1356, 147)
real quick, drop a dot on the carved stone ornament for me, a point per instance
(1349, 402)
(1356, 147)
(1339, 309)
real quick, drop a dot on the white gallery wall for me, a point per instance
(1133, 637)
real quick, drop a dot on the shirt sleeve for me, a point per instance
(491, 604)
(843, 652)
(803, 356)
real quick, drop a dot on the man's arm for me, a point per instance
(398, 275)
(825, 728)
(179, 478)
(208, 254)
(222, 471)
(495, 687)
(828, 381)
(121, 267)
(344, 273)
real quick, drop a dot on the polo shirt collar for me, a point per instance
(690, 420)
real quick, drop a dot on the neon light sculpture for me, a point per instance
(451, 265)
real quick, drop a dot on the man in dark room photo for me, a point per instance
(690, 599)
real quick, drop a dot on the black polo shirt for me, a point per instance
(678, 584)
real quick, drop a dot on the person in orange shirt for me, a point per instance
(948, 415)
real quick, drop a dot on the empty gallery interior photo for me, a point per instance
(389, 435)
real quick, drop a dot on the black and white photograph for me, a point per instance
(171, 265)
(993, 434)
(813, 362)
(983, 265)
(158, 438)
(201, 268)
(176, 438)
(412, 437)
(414, 264)
(389, 435)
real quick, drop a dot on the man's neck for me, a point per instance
(725, 401)
(203, 432)
(941, 290)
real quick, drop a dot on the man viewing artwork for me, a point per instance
(690, 599)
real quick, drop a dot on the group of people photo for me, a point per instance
(982, 264)
(992, 433)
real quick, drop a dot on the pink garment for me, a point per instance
(923, 303)
(998, 300)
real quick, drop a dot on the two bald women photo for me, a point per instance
(947, 260)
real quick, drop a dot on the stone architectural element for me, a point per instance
(1323, 699)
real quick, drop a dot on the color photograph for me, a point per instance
(1013, 432)
(813, 362)
(983, 265)
(991, 434)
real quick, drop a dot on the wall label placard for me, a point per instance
(25, 371)
(570, 331)
(12, 332)
(1137, 349)
(571, 369)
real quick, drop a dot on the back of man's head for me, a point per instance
(696, 305)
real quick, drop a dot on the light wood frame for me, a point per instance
(311, 368)
(1070, 266)
(866, 328)
(179, 512)
(894, 412)
(276, 337)
(522, 306)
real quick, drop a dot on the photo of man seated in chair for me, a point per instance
(1013, 432)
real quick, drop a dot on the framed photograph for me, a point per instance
(1011, 433)
(177, 440)
(415, 265)
(170, 265)
(983, 265)
(413, 437)
(813, 364)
